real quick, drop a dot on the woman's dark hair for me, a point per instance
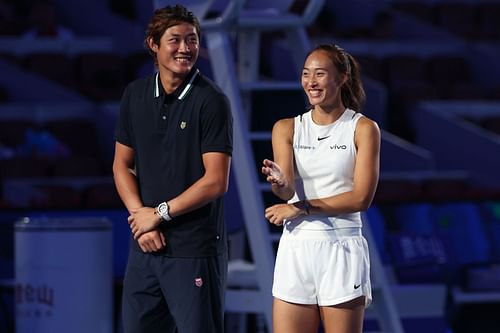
(352, 92)
(166, 17)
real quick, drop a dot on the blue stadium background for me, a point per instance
(432, 76)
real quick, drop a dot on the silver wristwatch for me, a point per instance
(163, 210)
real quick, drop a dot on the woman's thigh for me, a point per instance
(295, 318)
(345, 317)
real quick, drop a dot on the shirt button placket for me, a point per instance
(163, 116)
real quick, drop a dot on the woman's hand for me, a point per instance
(273, 172)
(279, 213)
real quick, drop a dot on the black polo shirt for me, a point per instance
(169, 133)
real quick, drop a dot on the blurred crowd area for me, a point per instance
(410, 51)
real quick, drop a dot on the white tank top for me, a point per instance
(324, 166)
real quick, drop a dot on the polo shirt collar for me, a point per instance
(181, 91)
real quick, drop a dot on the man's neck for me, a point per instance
(170, 81)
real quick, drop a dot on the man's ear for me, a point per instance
(152, 45)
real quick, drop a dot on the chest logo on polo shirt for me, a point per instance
(183, 124)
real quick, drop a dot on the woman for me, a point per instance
(326, 164)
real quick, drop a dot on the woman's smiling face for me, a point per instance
(321, 80)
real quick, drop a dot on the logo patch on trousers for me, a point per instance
(198, 282)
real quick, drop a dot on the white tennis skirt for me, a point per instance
(324, 267)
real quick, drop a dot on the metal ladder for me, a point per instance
(237, 83)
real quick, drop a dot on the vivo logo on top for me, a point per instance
(335, 146)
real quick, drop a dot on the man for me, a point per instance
(171, 168)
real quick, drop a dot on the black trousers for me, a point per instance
(174, 295)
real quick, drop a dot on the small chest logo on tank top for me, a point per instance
(198, 282)
(300, 146)
(336, 146)
(321, 138)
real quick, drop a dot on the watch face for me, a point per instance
(163, 208)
